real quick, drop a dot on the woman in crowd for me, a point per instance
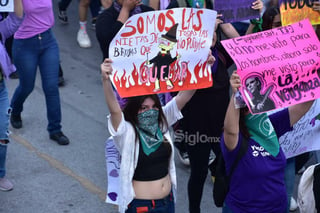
(140, 131)
(34, 46)
(257, 184)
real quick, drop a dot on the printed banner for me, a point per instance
(163, 51)
(305, 135)
(293, 11)
(235, 10)
(6, 5)
(278, 67)
(113, 160)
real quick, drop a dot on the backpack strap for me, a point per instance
(242, 151)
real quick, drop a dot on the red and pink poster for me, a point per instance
(163, 51)
(278, 67)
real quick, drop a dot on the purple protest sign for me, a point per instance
(235, 10)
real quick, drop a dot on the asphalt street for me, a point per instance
(49, 178)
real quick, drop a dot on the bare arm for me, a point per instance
(18, 8)
(231, 121)
(257, 5)
(155, 4)
(229, 30)
(127, 6)
(111, 100)
(184, 96)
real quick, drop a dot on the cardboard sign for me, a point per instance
(163, 51)
(305, 134)
(235, 10)
(6, 5)
(293, 11)
(113, 161)
(278, 67)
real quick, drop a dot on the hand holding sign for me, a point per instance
(286, 58)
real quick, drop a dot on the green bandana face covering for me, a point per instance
(261, 130)
(149, 131)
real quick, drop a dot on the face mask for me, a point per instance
(150, 134)
(148, 121)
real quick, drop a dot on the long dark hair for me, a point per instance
(242, 124)
(268, 17)
(132, 108)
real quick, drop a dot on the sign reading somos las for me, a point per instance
(163, 51)
(6, 5)
(278, 67)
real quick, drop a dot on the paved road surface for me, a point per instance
(49, 178)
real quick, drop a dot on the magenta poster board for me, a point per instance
(278, 67)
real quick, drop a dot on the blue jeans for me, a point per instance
(28, 54)
(4, 123)
(290, 173)
(165, 205)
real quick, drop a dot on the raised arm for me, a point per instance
(231, 121)
(229, 30)
(18, 8)
(111, 100)
(184, 96)
(256, 5)
(127, 6)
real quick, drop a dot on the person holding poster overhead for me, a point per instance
(140, 132)
(110, 21)
(257, 183)
(7, 28)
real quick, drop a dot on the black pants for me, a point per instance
(202, 123)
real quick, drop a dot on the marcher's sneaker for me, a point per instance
(60, 138)
(16, 121)
(63, 16)
(5, 184)
(83, 39)
(184, 157)
(293, 205)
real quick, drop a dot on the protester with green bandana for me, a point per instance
(257, 183)
(140, 132)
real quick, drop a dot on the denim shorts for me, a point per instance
(165, 205)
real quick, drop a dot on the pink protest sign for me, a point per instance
(278, 67)
(163, 51)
